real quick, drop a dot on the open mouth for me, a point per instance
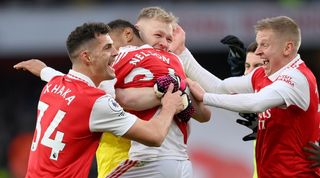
(265, 62)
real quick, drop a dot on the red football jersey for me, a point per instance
(141, 67)
(282, 132)
(63, 145)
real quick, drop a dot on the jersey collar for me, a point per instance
(275, 75)
(79, 76)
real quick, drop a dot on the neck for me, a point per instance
(136, 42)
(88, 73)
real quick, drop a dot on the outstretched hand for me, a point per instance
(196, 90)
(33, 65)
(315, 153)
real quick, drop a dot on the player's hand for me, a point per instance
(33, 65)
(196, 90)
(179, 38)
(251, 121)
(315, 153)
(162, 84)
(188, 109)
(237, 54)
(172, 100)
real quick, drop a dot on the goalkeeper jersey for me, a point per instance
(282, 132)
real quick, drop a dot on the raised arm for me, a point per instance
(277, 94)
(38, 68)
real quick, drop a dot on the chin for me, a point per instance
(267, 71)
(111, 76)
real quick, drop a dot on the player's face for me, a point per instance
(102, 57)
(156, 33)
(252, 61)
(270, 49)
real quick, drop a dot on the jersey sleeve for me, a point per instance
(293, 86)
(108, 86)
(47, 73)
(108, 115)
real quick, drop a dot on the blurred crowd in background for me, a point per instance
(20, 91)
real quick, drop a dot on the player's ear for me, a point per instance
(128, 34)
(289, 47)
(85, 56)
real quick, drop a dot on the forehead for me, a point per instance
(104, 38)
(263, 35)
(160, 26)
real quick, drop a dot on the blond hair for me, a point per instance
(284, 27)
(158, 13)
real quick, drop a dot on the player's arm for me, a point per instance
(202, 113)
(107, 115)
(278, 94)
(196, 72)
(137, 99)
(252, 102)
(38, 68)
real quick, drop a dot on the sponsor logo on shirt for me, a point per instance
(287, 79)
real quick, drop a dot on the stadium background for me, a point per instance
(38, 29)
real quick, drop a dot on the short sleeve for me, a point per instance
(47, 73)
(108, 115)
(293, 86)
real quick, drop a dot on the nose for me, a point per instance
(114, 51)
(258, 51)
(164, 44)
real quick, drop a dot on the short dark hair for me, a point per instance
(83, 34)
(252, 47)
(120, 24)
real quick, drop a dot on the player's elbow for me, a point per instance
(126, 101)
(156, 141)
(203, 116)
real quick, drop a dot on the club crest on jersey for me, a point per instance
(114, 105)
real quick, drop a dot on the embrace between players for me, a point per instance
(92, 52)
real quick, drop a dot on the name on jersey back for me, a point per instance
(60, 90)
(143, 54)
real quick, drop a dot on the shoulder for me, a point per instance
(293, 77)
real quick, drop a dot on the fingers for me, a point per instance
(249, 116)
(243, 122)
(315, 165)
(249, 137)
(19, 65)
(316, 147)
(309, 150)
(170, 88)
